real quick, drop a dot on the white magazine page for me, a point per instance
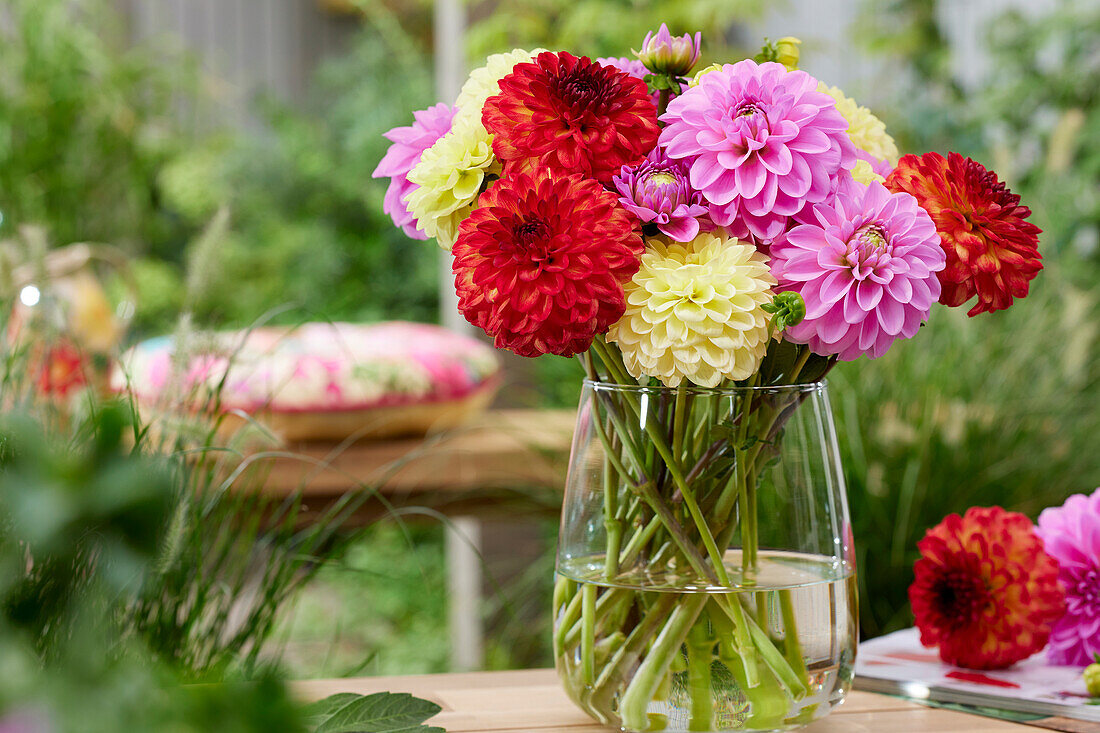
(898, 664)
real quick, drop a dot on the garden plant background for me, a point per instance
(99, 141)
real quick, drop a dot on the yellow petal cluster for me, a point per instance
(868, 132)
(693, 311)
(449, 176)
(865, 174)
(703, 72)
(483, 82)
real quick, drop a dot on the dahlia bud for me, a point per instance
(662, 53)
(703, 72)
(787, 309)
(1092, 678)
(786, 52)
(783, 51)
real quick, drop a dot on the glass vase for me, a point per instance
(705, 569)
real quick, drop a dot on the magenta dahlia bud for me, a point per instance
(657, 191)
(663, 53)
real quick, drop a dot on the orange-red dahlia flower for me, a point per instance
(540, 264)
(992, 251)
(570, 115)
(60, 369)
(985, 591)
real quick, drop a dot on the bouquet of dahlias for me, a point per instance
(737, 229)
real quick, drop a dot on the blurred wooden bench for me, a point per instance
(474, 469)
(503, 463)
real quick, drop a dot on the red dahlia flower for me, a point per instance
(570, 115)
(60, 369)
(540, 264)
(985, 590)
(991, 250)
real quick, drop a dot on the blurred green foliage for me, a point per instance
(84, 517)
(85, 125)
(598, 28)
(306, 222)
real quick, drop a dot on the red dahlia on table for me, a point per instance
(571, 115)
(540, 264)
(985, 590)
(992, 250)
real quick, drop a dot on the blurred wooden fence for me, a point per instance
(244, 46)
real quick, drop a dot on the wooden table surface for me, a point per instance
(533, 702)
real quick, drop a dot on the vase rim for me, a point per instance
(818, 386)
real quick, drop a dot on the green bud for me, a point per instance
(783, 51)
(786, 52)
(1092, 679)
(788, 309)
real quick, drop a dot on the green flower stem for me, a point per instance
(700, 649)
(678, 418)
(746, 529)
(649, 494)
(636, 697)
(610, 520)
(678, 535)
(588, 634)
(631, 651)
(637, 541)
(611, 604)
(792, 648)
(763, 608)
(746, 654)
(731, 655)
(776, 661)
(571, 616)
(673, 466)
(689, 501)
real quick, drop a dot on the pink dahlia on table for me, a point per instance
(1071, 534)
(570, 115)
(985, 591)
(866, 270)
(657, 191)
(762, 143)
(540, 264)
(409, 143)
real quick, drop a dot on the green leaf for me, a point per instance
(382, 712)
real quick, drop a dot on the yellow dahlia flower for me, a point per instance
(693, 311)
(483, 82)
(868, 132)
(448, 179)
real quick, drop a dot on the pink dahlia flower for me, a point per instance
(409, 143)
(1071, 534)
(633, 67)
(762, 144)
(866, 270)
(657, 192)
